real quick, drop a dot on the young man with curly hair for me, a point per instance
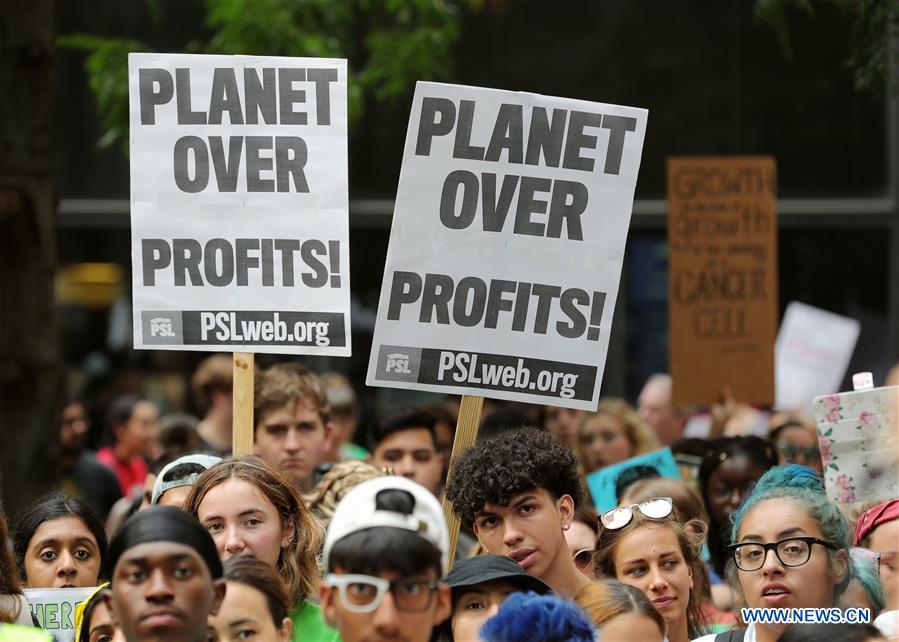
(517, 490)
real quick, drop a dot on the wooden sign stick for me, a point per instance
(243, 367)
(466, 433)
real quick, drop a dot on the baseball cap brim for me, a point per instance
(487, 568)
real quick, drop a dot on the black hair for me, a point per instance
(265, 579)
(375, 550)
(501, 467)
(759, 453)
(405, 419)
(121, 409)
(55, 505)
(841, 632)
(503, 419)
(633, 474)
(182, 471)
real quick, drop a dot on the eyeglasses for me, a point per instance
(792, 551)
(654, 508)
(583, 558)
(364, 593)
(866, 556)
(791, 451)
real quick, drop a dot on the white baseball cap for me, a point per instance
(159, 486)
(358, 510)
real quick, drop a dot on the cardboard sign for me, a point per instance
(239, 206)
(722, 283)
(506, 247)
(607, 483)
(857, 435)
(812, 353)
(54, 609)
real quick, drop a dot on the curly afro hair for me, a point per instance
(497, 469)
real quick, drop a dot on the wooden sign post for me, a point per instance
(243, 367)
(466, 433)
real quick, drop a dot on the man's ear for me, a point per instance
(329, 611)
(218, 594)
(565, 506)
(106, 596)
(444, 604)
(285, 633)
(329, 435)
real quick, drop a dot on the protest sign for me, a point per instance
(857, 435)
(54, 609)
(722, 283)
(239, 206)
(506, 248)
(811, 355)
(608, 483)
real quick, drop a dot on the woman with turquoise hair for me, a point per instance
(790, 549)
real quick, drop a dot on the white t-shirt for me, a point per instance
(749, 637)
(888, 624)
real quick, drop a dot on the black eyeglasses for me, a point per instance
(792, 551)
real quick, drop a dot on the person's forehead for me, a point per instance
(536, 493)
(790, 515)
(298, 410)
(158, 552)
(413, 438)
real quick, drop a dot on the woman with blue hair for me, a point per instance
(790, 546)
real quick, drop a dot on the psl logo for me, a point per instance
(161, 327)
(398, 363)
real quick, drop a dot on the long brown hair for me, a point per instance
(607, 598)
(637, 431)
(690, 537)
(298, 563)
(9, 574)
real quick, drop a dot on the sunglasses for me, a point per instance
(654, 508)
(583, 558)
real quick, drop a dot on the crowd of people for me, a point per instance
(315, 537)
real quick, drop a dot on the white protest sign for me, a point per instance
(507, 243)
(54, 609)
(811, 355)
(239, 205)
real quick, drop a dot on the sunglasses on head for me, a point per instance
(653, 508)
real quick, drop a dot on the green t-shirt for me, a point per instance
(309, 625)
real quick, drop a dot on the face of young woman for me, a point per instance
(650, 558)
(62, 553)
(101, 627)
(476, 605)
(775, 585)
(728, 486)
(244, 616)
(604, 442)
(242, 521)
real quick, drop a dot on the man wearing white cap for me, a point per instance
(386, 549)
(174, 482)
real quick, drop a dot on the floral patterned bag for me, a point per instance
(857, 433)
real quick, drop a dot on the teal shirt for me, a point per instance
(309, 625)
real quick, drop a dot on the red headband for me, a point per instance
(874, 517)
